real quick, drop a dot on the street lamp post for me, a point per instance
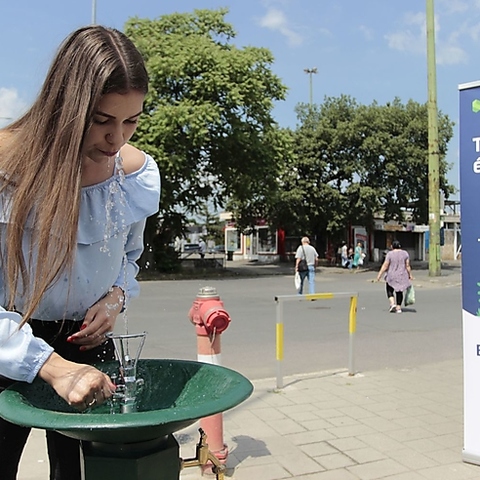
(311, 71)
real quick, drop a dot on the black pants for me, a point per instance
(398, 295)
(63, 452)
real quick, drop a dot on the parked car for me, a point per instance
(191, 247)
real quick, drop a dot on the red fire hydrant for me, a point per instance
(210, 319)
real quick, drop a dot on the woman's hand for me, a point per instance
(99, 320)
(81, 386)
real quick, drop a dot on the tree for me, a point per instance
(213, 227)
(323, 163)
(394, 157)
(208, 119)
(353, 161)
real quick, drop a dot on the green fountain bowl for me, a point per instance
(176, 394)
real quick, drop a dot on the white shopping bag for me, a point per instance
(297, 280)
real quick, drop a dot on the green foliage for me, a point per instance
(353, 161)
(167, 259)
(208, 123)
(213, 226)
(208, 117)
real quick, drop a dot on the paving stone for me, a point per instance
(335, 461)
(378, 470)
(365, 455)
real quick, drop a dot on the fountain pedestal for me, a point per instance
(157, 459)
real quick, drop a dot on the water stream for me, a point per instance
(128, 385)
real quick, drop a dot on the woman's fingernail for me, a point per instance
(70, 339)
(83, 326)
(82, 349)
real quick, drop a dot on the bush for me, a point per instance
(167, 259)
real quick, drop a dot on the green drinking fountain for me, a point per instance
(129, 440)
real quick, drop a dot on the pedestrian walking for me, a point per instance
(202, 248)
(306, 259)
(346, 261)
(358, 255)
(398, 275)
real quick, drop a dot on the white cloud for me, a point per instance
(366, 32)
(454, 6)
(417, 19)
(458, 6)
(413, 39)
(276, 3)
(406, 41)
(324, 32)
(11, 105)
(276, 20)
(450, 55)
(474, 32)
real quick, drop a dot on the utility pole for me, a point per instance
(94, 12)
(434, 262)
(311, 71)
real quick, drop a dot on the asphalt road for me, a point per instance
(316, 333)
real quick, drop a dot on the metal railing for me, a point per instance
(352, 325)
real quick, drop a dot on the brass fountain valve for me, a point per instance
(203, 456)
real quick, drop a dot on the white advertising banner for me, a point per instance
(471, 389)
(470, 204)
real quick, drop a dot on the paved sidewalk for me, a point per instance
(420, 268)
(391, 424)
(388, 424)
(395, 424)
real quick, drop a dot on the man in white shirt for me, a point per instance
(346, 262)
(203, 248)
(306, 252)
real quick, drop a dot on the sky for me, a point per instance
(371, 50)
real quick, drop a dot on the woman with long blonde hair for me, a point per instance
(74, 198)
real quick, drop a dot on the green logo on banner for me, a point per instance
(476, 106)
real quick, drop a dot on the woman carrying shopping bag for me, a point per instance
(398, 275)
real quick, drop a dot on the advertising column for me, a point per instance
(470, 205)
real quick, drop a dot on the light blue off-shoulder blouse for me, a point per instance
(110, 241)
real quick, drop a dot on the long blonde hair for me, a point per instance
(41, 159)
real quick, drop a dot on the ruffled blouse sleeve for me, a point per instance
(112, 220)
(108, 207)
(21, 354)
